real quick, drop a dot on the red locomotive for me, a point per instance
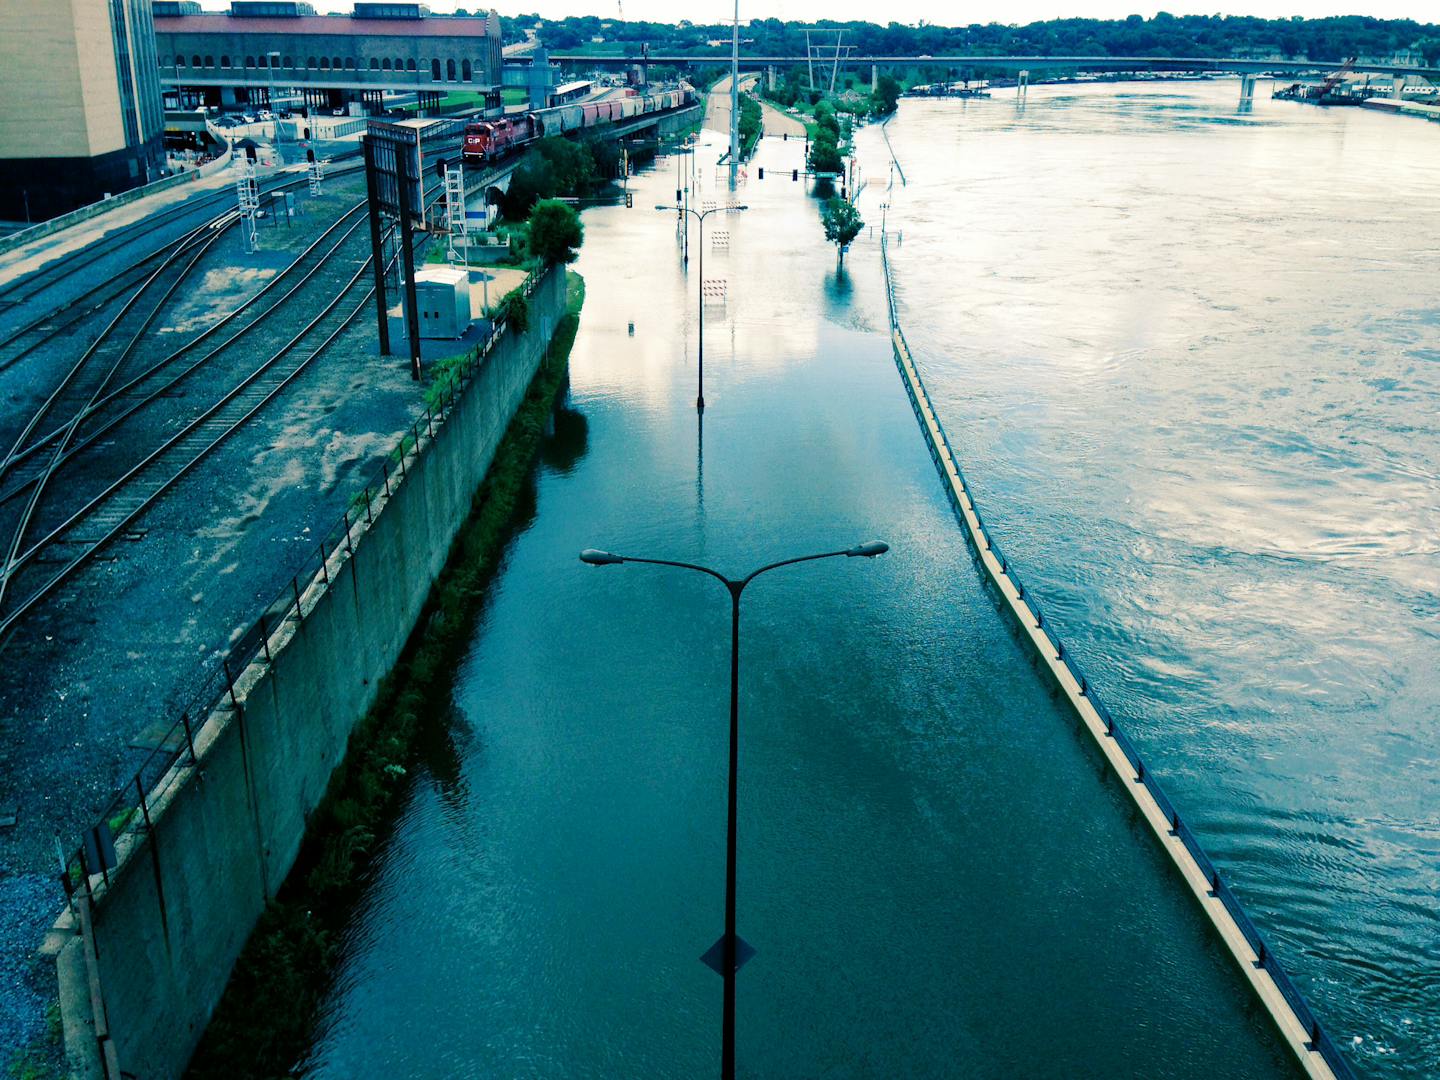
(491, 140)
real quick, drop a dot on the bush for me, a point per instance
(515, 311)
(556, 232)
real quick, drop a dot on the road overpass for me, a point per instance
(1007, 63)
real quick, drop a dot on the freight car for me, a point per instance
(493, 139)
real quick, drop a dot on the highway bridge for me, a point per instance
(1007, 63)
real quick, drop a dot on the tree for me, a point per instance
(842, 223)
(556, 232)
(886, 95)
(824, 154)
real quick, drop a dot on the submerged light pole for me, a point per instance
(727, 955)
(735, 97)
(700, 216)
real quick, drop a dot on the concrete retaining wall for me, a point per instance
(226, 828)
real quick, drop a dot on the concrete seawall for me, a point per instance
(223, 829)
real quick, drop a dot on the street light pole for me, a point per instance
(700, 216)
(728, 954)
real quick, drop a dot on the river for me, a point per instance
(1191, 362)
(938, 873)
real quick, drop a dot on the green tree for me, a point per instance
(886, 95)
(842, 223)
(824, 154)
(556, 232)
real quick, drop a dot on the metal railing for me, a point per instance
(1319, 1039)
(128, 811)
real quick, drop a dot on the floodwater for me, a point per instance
(939, 874)
(1191, 362)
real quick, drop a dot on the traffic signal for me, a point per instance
(762, 172)
(794, 174)
(629, 199)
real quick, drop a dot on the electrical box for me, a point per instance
(442, 294)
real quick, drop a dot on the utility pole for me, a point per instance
(735, 97)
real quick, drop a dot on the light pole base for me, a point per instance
(699, 404)
(714, 957)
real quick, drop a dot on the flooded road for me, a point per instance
(1191, 363)
(938, 873)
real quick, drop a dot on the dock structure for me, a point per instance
(1316, 1053)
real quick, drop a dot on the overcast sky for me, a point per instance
(945, 12)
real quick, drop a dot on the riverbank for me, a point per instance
(263, 1021)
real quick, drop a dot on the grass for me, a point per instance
(264, 1021)
(41, 1060)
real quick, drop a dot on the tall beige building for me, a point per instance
(80, 106)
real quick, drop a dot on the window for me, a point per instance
(435, 70)
(324, 63)
(374, 64)
(289, 61)
(399, 64)
(409, 65)
(337, 64)
(387, 63)
(165, 61)
(249, 61)
(450, 70)
(310, 63)
(465, 72)
(195, 61)
(349, 63)
(264, 61)
(210, 61)
(224, 61)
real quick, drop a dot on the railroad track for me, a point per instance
(70, 536)
(36, 572)
(27, 287)
(96, 367)
(23, 340)
(161, 378)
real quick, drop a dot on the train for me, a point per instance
(490, 140)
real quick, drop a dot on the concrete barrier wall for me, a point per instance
(225, 828)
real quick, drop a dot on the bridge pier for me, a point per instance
(1247, 92)
(1397, 88)
(874, 77)
(770, 75)
(1022, 85)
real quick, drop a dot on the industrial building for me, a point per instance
(257, 47)
(80, 104)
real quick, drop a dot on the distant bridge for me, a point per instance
(1011, 63)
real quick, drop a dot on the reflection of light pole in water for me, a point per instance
(727, 955)
(700, 216)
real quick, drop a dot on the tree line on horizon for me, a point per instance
(1330, 39)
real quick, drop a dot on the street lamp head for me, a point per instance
(660, 207)
(595, 557)
(866, 550)
(733, 208)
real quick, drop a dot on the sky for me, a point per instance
(944, 12)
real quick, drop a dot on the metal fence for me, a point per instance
(128, 811)
(1319, 1039)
